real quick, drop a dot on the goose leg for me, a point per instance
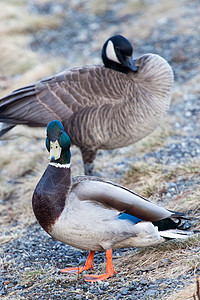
(88, 169)
(88, 158)
(109, 269)
(88, 265)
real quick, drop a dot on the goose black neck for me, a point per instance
(112, 64)
(117, 67)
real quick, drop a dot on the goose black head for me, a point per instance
(58, 143)
(117, 54)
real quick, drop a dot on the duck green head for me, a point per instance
(58, 143)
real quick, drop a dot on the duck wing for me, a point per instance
(117, 197)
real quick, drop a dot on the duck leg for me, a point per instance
(88, 265)
(109, 269)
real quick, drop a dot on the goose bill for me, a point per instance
(130, 63)
(55, 150)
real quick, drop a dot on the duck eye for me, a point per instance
(61, 132)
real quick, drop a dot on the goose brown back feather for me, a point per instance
(100, 108)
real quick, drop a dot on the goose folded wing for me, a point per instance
(58, 97)
(34, 105)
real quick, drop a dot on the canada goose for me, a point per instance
(101, 107)
(96, 215)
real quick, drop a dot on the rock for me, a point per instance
(151, 293)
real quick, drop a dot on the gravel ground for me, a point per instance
(37, 251)
(31, 259)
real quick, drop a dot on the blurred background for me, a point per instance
(41, 37)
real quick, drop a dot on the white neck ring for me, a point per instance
(57, 165)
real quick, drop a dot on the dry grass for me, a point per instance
(191, 88)
(166, 261)
(190, 292)
(26, 22)
(16, 57)
(21, 168)
(145, 176)
(99, 7)
(163, 10)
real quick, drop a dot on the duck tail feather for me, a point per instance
(174, 222)
(176, 234)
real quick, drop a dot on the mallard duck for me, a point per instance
(101, 107)
(94, 214)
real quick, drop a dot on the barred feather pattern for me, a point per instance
(100, 108)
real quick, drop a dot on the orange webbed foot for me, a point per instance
(93, 278)
(78, 270)
(109, 270)
(89, 265)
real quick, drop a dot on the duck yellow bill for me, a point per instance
(55, 150)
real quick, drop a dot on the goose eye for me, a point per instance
(120, 52)
(118, 49)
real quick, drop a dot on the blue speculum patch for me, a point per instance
(125, 216)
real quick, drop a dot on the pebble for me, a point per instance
(124, 291)
(151, 293)
(78, 297)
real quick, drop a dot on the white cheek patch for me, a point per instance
(110, 52)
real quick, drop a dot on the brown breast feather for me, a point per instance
(50, 195)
